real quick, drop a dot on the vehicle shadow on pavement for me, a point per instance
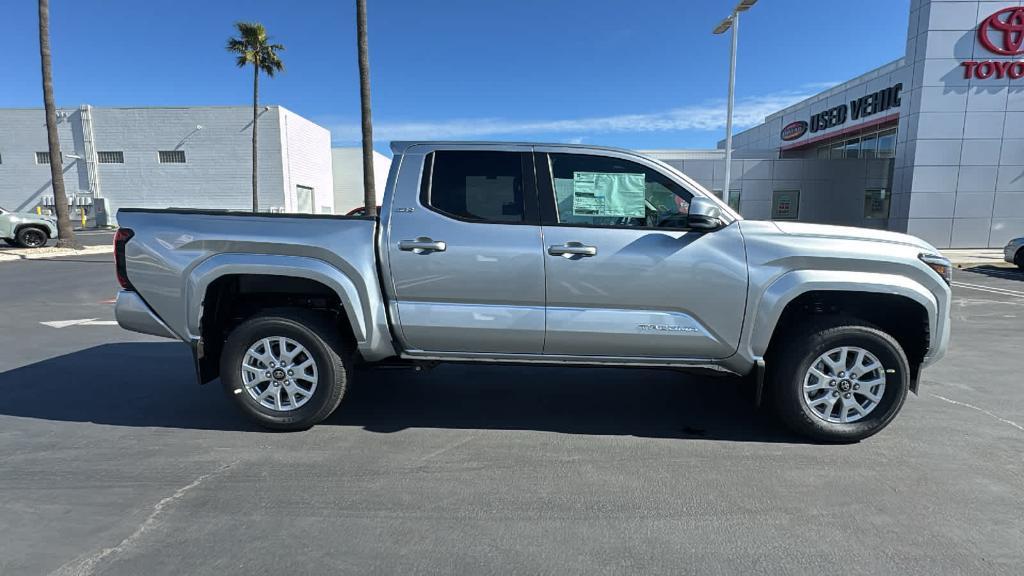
(998, 272)
(152, 384)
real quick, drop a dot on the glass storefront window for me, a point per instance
(852, 148)
(868, 146)
(823, 152)
(876, 203)
(837, 150)
(734, 197)
(887, 144)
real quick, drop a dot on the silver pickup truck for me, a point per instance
(545, 254)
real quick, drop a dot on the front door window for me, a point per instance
(606, 191)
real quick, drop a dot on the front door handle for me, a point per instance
(570, 249)
(422, 245)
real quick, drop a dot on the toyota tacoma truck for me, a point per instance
(539, 254)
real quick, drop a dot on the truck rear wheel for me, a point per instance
(286, 369)
(840, 382)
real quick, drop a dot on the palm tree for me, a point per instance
(65, 235)
(369, 199)
(252, 47)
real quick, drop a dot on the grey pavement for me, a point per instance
(113, 461)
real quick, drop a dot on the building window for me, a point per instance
(44, 157)
(837, 150)
(304, 199)
(734, 197)
(869, 146)
(112, 157)
(172, 156)
(823, 152)
(876, 203)
(852, 148)
(887, 144)
(785, 205)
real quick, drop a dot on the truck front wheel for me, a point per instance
(286, 369)
(840, 382)
(31, 237)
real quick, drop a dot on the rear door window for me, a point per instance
(476, 186)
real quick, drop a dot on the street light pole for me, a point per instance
(733, 22)
(729, 107)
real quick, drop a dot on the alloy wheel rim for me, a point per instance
(34, 239)
(279, 373)
(844, 385)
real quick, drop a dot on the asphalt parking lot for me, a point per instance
(113, 461)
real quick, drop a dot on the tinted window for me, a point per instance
(604, 191)
(478, 186)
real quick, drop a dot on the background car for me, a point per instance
(26, 229)
(1014, 252)
(360, 211)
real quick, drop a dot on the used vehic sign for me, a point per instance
(1001, 33)
(794, 130)
(862, 107)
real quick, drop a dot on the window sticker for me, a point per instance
(608, 194)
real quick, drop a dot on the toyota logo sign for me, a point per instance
(1006, 25)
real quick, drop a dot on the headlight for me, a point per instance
(942, 266)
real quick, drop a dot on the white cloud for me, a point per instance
(703, 117)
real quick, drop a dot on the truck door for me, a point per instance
(464, 251)
(625, 278)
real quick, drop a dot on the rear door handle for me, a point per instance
(422, 245)
(570, 249)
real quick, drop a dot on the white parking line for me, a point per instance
(982, 410)
(992, 289)
(80, 322)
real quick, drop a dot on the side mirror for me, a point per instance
(704, 214)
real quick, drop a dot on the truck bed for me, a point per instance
(176, 253)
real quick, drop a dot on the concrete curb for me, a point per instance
(16, 254)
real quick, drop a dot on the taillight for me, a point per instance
(121, 237)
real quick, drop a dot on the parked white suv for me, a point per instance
(25, 229)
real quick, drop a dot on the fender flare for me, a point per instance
(211, 269)
(787, 287)
(51, 231)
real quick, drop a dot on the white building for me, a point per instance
(348, 177)
(195, 157)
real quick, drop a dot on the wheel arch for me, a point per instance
(895, 304)
(239, 284)
(45, 229)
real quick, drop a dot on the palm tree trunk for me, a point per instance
(369, 197)
(65, 235)
(255, 117)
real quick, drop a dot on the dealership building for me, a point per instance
(931, 144)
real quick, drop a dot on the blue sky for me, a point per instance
(633, 73)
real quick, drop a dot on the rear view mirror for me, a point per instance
(704, 214)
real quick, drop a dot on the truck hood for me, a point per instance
(850, 233)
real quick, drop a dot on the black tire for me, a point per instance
(804, 347)
(31, 237)
(325, 346)
(1018, 259)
